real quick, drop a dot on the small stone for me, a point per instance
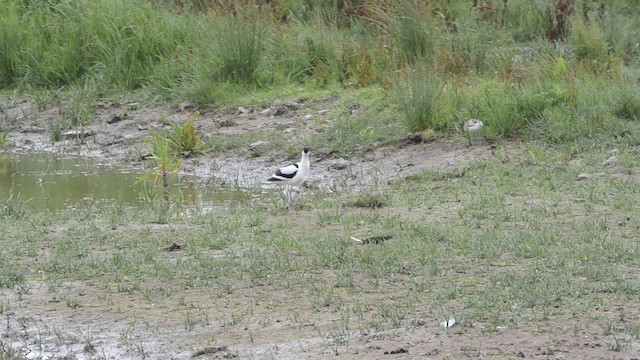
(74, 134)
(582, 177)
(225, 123)
(133, 106)
(396, 351)
(258, 144)
(520, 354)
(114, 119)
(323, 112)
(610, 161)
(244, 110)
(185, 105)
(33, 130)
(307, 117)
(339, 164)
(621, 170)
(267, 112)
(292, 105)
(283, 126)
(281, 111)
(415, 137)
(288, 130)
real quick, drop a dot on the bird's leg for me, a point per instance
(287, 195)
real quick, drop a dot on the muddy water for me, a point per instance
(52, 183)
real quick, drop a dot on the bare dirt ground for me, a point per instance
(112, 324)
(116, 325)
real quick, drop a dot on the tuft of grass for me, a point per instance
(374, 201)
(418, 97)
(413, 36)
(14, 206)
(239, 50)
(588, 42)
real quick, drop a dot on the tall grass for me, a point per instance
(418, 96)
(239, 46)
(216, 51)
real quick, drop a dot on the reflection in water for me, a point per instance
(52, 183)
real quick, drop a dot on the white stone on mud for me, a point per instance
(258, 144)
(185, 105)
(73, 134)
(339, 164)
(610, 161)
(244, 110)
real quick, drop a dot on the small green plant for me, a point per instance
(73, 303)
(182, 137)
(375, 201)
(165, 163)
(56, 127)
(14, 206)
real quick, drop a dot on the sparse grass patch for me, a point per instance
(514, 244)
(14, 206)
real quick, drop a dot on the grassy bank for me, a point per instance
(532, 68)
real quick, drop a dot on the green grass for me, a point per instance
(513, 240)
(494, 65)
(518, 242)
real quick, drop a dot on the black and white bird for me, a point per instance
(471, 127)
(292, 175)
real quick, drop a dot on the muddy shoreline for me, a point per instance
(118, 134)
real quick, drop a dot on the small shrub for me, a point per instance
(182, 137)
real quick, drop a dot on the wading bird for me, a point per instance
(471, 127)
(292, 175)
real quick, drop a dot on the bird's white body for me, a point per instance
(294, 174)
(473, 125)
